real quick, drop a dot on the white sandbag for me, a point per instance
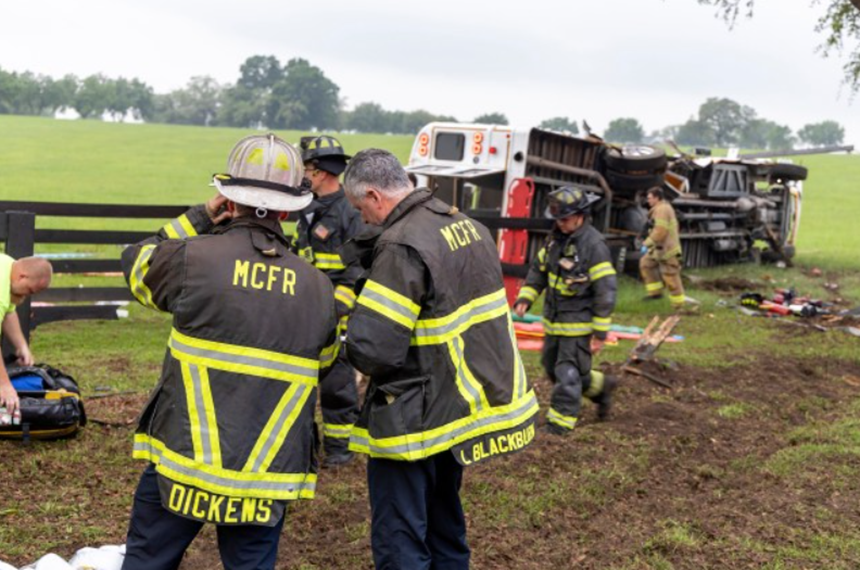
(104, 558)
(49, 562)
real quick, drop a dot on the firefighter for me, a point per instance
(575, 269)
(661, 260)
(229, 430)
(433, 330)
(323, 227)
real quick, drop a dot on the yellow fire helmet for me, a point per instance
(265, 172)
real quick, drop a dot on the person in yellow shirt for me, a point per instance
(18, 280)
(661, 263)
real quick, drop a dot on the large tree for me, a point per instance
(491, 119)
(562, 124)
(624, 130)
(304, 99)
(822, 134)
(725, 118)
(840, 24)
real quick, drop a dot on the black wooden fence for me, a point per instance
(18, 231)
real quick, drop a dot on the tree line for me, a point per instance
(298, 95)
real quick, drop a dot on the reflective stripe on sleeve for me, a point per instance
(138, 272)
(345, 295)
(601, 324)
(279, 486)
(528, 293)
(243, 359)
(567, 329)
(329, 354)
(328, 261)
(389, 303)
(601, 270)
(180, 228)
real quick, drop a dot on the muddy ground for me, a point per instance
(677, 478)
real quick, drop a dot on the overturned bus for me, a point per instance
(729, 210)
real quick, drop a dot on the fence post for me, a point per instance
(20, 242)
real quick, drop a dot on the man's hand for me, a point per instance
(25, 357)
(213, 207)
(520, 309)
(8, 397)
(597, 345)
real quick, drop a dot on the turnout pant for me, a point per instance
(157, 539)
(339, 402)
(567, 362)
(657, 272)
(417, 520)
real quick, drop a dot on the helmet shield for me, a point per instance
(264, 172)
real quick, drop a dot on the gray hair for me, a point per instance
(377, 168)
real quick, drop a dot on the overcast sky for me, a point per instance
(656, 60)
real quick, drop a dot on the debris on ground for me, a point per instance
(530, 333)
(105, 558)
(786, 304)
(645, 350)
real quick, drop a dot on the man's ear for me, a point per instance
(283, 216)
(231, 206)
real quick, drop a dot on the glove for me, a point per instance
(643, 250)
(752, 300)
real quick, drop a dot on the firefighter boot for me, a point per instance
(604, 399)
(337, 452)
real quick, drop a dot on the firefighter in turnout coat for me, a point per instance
(433, 330)
(661, 260)
(229, 430)
(323, 227)
(575, 269)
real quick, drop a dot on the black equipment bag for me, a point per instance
(54, 412)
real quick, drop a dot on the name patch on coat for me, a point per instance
(494, 444)
(193, 503)
(460, 234)
(259, 275)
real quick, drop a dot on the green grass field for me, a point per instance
(78, 161)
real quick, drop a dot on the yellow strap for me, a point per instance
(136, 278)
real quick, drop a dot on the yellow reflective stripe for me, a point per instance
(552, 416)
(211, 420)
(663, 223)
(340, 431)
(329, 354)
(243, 360)
(596, 386)
(566, 329)
(278, 486)
(542, 255)
(468, 386)
(328, 261)
(275, 432)
(676, 299)
(345, 295)
(414, 446)
(442, 329)
(650, 287)
(528, 293)
(601, 270)
(180, 228)
(389, 304)
(186, 225)
(138, 272)
(307, 253)
(193, 415)
(557, 283)
(600, 324)
(520, 381)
